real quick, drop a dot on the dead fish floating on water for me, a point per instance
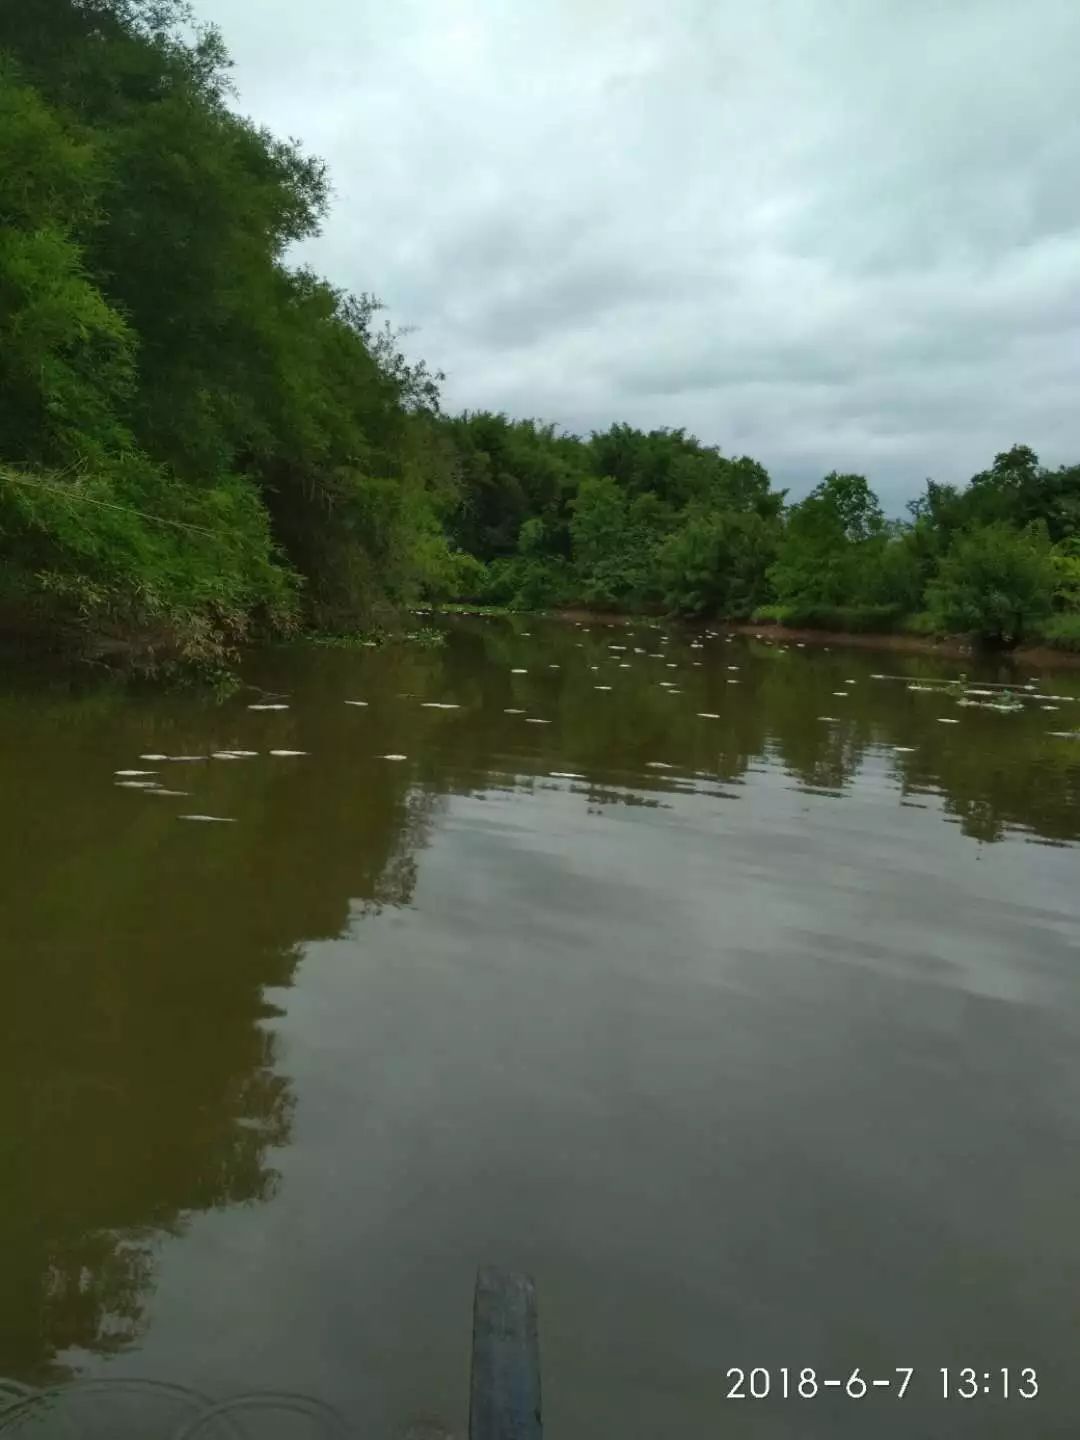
(440, 705)
(830, 719)
(905, 749)
(153, 757)
(276, 706)
(362, 703)
(393, 757)
(286, 753)
(708, 715)
(513, 712)
(160, 791)
(947, 720)
(601, 687)
(135, 772)
(658, 765)
(533, 720)
(566, 775)
(210, 819)
(137, 784)
(519, 672)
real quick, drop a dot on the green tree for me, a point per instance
(1017, 490)
(717, 562)
(856, 508)
(615, 539)
(156, 343)
(831, 545)
(198, 438)
(67, 357)
(996, 583)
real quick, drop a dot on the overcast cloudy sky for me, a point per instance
(826, 233)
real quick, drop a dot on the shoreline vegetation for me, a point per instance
(949, 647)
(203, 444)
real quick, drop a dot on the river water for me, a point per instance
(738, 1002)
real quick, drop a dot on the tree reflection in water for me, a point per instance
(146, 963)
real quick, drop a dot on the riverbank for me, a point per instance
(951, 647)
(154, 654)
(159, 655)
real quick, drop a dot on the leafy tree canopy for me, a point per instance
(200, 440)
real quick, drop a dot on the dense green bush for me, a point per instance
(768, 614)
(187, 424)
(1065, 558)
(920, 623)
(995, 584)
(152, 569)
(615, 540)
(716, 563)
(469, 578)
(1061, 631)
(831, 547)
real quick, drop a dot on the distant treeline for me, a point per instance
(658, 521)
(200, 442)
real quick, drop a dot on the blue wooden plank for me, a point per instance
(504, 1399)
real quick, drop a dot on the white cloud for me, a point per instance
(828, 233)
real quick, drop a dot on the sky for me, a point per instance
(825, 233)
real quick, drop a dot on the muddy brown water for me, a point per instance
(753, 1035)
